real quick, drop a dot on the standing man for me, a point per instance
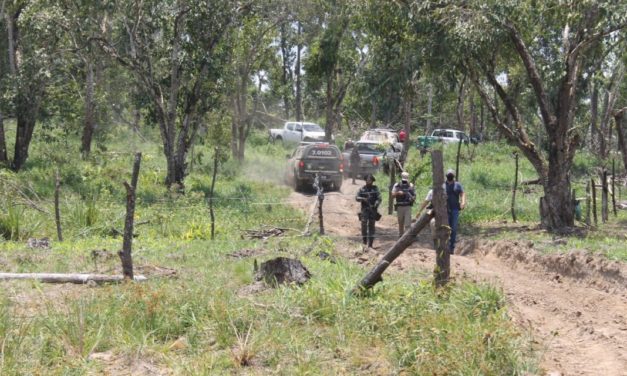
(456, 201)
(355, 159)
(370, 198)
(405, 195)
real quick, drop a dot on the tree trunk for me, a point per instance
(594, 118)
(131, 193)
(557, 211)
(299, 96)
(68, 278)
(285, 76)
(429, 107)
(407, 104)
(26, 120)
(90, 107)
(3, 144)
(618, 118)
(328, 129)
(461, 98)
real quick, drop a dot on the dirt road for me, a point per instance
(574, 305)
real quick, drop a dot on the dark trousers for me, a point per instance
(367, 229)
(453, 219)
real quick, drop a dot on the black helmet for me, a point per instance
(370, 176)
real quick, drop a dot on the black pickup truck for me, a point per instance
(311, 159)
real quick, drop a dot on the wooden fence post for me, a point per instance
(320, 195)
(131, 190)
(588, 204)
(614, 187)
(515, 186)
(213, 184)
(604, 198)
(442, 230)
(392, 182)
(594, 201)
(57, 211)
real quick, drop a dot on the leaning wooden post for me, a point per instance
(374, 276)
(515, 186)
(604, 208)
(442, 230)
(131, 190)
(614, 187)
(588, 204)
(57, 211)
(213, 184)
(594, 201)
(392, 168)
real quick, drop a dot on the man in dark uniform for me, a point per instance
(355, 159)
(370, 198)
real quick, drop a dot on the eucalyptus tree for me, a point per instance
(251, 52)
(336, 56)
(31, 58)
(528, 52)
(176, 51)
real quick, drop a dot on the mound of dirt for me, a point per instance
(582, 266)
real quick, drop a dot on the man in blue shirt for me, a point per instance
(456, 201)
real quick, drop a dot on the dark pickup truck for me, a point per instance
(373, 155)
(311, 159)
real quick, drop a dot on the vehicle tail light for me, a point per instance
(341, 167)
(375, 161)
(301, 164)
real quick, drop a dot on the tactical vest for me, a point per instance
(408, 198)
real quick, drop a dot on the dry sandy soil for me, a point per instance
(574, 304)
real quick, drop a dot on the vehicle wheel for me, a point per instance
(279, 138)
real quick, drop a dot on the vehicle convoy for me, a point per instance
(311, 159)
(446, 136)
(295, 132)
(373, 155)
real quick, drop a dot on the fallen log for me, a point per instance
(68, 278)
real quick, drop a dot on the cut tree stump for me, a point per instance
(68, 278)
(282, 270)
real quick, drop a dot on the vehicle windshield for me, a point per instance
(369, 148)
(313, 128)
(377, 137)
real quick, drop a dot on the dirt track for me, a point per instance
(574, 305)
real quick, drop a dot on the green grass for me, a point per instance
(319, 328)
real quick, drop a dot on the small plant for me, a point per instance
(10, 223)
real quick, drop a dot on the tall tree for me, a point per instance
(543, 46)
(251, 52)
(175, 50)
(31, 48)
(335, 57)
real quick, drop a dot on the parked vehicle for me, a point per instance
(373, 155)
(295, 132)
(381, 135)
(311, 159)
(441, 135)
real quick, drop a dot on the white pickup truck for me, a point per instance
(295, 132)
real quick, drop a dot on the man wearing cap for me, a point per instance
(405, 195)
(370, 198)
